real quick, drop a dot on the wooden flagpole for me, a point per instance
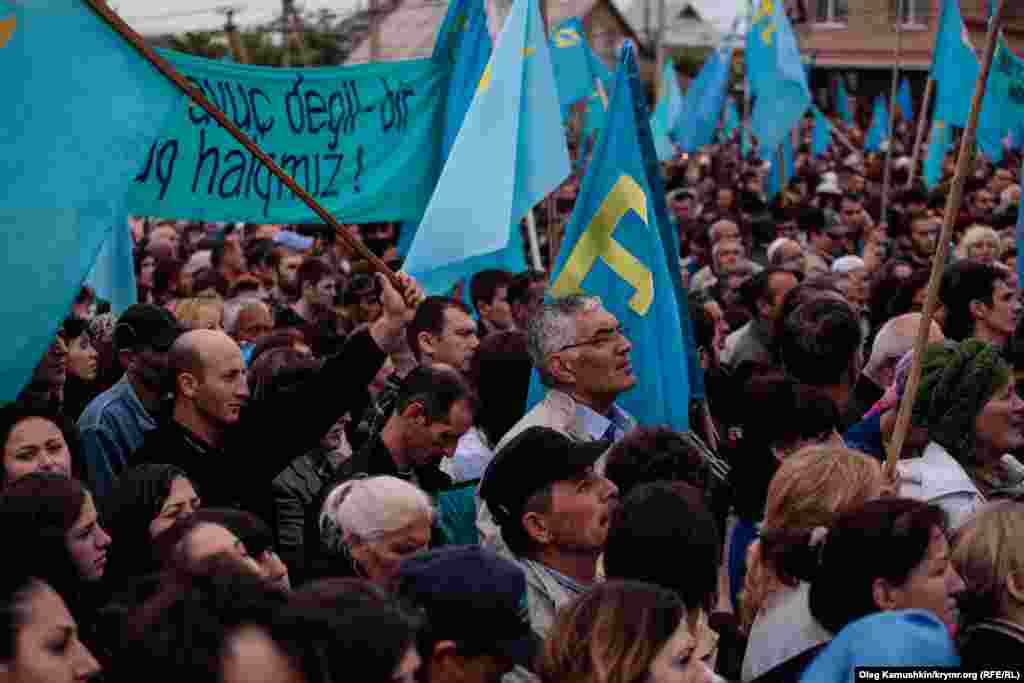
(952, 211)
(922, 126)
(165, 68)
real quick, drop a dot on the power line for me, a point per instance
(173, 15)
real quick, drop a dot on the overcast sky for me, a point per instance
(165, 16)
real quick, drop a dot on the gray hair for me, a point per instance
(233, 311)
(364, 510)
(553, 327)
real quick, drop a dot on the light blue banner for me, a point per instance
(363, 140)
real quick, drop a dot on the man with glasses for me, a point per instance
(582, 356)
(115, 423)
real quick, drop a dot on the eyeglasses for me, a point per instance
(602, 338)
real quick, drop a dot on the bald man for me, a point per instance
(232, 454)
(891, 343)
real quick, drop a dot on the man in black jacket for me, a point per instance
(232, 451)
(435, 406)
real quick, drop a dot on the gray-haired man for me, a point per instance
(582, 355)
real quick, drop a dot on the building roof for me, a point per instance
(410, 29)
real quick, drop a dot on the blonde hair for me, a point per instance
(974, 234)
(987, 554)
(809, 490)
(364, 510)
(189, 312)
(610, 634)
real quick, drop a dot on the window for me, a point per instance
(915, 12)
(831, 11)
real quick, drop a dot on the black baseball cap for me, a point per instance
(472, 595)
(532, 460)
(146, 325)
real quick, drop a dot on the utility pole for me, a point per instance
(235, 44)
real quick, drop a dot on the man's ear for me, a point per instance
(536, 526)
(126, 358)
(560, 370)
(186, 384)
(426, 342)
(414, 410)
(976, 308)
(884, 595)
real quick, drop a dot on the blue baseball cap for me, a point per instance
(472, 596)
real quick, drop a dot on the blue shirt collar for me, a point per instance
(596, 424)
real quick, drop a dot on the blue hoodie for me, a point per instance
(893, 638)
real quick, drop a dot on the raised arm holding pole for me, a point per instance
(165, 68)
(952, 210)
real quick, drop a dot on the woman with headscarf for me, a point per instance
(968, 402)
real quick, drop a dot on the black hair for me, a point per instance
(758, 287)
(884, 539)
(519, 287)
(820, 340)
(812, 221)
(783, 412)
(962, 283)
(658, 516)
(16, 412)
(37, 511)
(501, 371)
(312, 271)
(436, 388)
(430, 318)
(126, 513)
(484, 285)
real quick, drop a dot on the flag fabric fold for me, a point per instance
(464, 42)
(954, 67)
(822, 135)
(575, 64)
(938, 145)
(777, 78)
(76, 122)
(781, 173)
(731, 122)
(879, 131)
(667, 112)
(613, 249)
(905, 101)
(697, 123)
(509, 154)
(843, 102)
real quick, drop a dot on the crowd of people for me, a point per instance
(281, 466)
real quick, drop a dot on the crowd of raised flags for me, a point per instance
(503, 139)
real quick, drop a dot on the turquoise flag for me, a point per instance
(778, 82)
(702, 105)
(464, 44)
(954, 67)
(879, 131)
(79, 110)
(938, 145)
(1003, 108)
(113, 275)
(670, 107)
(843, 101)
(732, 120)
(575, 64)
(509, 154)
(822, 136)
(905, 101)
(612, 249)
